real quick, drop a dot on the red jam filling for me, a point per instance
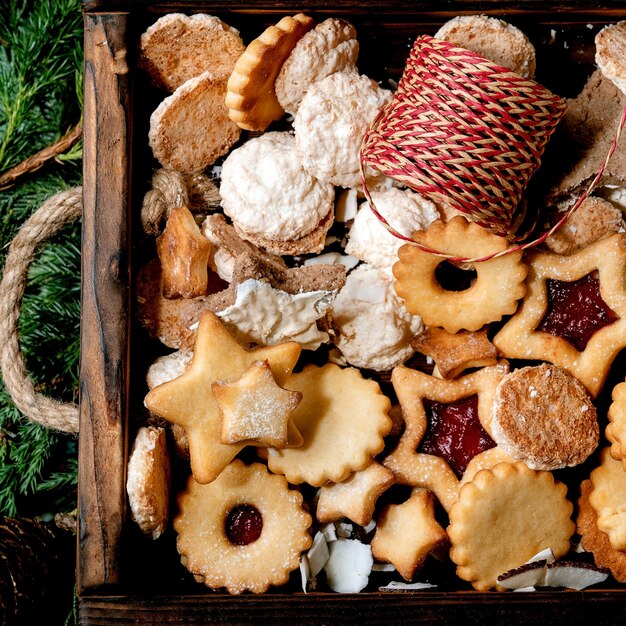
(455, 433)
(576, 310)
(243, 524)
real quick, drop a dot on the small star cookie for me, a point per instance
(588, 330)
(356, 497)
(408, 532)
(189, 402)
(255, 407)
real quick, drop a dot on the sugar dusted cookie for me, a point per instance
(406, 533)
(503, 517)
(148, 481)
(338, 406)
(178, 47)
(608, 499)
(499, 282)
(331, 122)
(330, 47)
(493, 39)
(550, 324)
(543, 416)
(354, 498)
(268, 194)
(245, 531)
(190, 129)
(251, 98)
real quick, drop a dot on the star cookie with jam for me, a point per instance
(574, 312)
(189, 401)
(447, 428)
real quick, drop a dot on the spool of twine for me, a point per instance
(464, 132)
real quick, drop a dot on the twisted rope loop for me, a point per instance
(58, 211)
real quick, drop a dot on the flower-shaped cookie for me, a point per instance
(568, 316)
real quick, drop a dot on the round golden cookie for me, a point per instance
(503, 517)
(616, 428)
(216, 519)
(499, 282)
(544, 416)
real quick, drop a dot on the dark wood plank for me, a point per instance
(105, 302)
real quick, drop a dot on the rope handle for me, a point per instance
(515, 248)
(58, 211)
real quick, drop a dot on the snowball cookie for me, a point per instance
(493, 39)
(405, 210)
(375, 330)
(330, 47)
(330, 125)
(178, 47)
(266, 192)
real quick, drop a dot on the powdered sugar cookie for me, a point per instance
(330, 47)
(267, 193)
(331, 122)
(168, 367)
(178, 47)
(503, 517)
(493, 39)
(190, 129)
(374, 328)
(543, 416)
(404, 209)
(148, 481)
(245, 531)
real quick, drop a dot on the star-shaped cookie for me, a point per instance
(525, 335)
(255, 407)
(189, 402)
(414, 389)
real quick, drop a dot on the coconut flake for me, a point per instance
(530, 574)
(349, 565)
(329, 532)
(383, 567)
(396, 585)
(346, 205)
(304, 572)
(545, 555)
(574, 575)
(318, 554)
(344, 530)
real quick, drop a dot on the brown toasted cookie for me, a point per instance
(594, 540)
(542, 415)
(190, 129)
(178, 47)
(611, 53)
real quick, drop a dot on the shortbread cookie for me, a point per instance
(267, 193)
(148, 481)
(499, 282)
(404, 209)
(354, 498)
(374, 330)
(505, 516)
(330, 125)
(184, 255)
(255, 407)
(330, 47)
(608, 499)
(454, 353)
(178, 47)
(189, 402)
(245, 531)
(594, 540)
(611, 53)
(552, 324)
(251, 98)
(596, 218)
(190, 129)
(447, 423)
(493, 39)
(338, 406)
(616, 428)
(407, 533)
(543, 416)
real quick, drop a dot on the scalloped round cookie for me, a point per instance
(342, 419)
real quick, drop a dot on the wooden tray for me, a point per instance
(123, 579)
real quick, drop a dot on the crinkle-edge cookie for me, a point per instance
(203, 541)
(330, 47)
(503, 517)
(498, 286)
(616, 428)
